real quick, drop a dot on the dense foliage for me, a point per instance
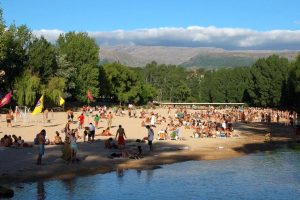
(218, 60)
(269, 82)
(70, 67)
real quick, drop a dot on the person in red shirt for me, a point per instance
(81, 121)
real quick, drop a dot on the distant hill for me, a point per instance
(217, 60)
(139, 56)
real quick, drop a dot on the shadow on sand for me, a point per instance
(93, 158)
(281, 136)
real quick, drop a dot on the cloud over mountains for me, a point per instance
(195, 36)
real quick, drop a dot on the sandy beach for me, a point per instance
(19, 164)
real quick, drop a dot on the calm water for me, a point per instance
(258, 176)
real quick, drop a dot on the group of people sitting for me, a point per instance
(13, 141)
(208, 123)
(211, 123)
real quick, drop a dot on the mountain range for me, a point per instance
(191, 57)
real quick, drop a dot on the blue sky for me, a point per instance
(107, 15)
(258, 16)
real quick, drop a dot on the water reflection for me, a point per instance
(41, 195)
(251, 177)
(70, 185)
(149, 175)
(120, 172)
(139, 173)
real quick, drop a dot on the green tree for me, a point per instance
(266, 81)
(294, 85)
(194, 78)
(125, 84)
(68, 73)
(55, 89)
(27, 87)
(14, 43)
(169, 80)
(81, 52)
(147, 93)
(225, 85)
(42, 58)
(212, 86)
(88, 79)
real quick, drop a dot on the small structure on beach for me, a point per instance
(195, 105)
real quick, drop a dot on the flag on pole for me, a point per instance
(61, 101)
(39, 106)
(5, 100)
(89, 95)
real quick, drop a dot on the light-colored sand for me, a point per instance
(19, 164)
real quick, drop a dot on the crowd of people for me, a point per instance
(13, 141)
(209, 122)
(213, 122)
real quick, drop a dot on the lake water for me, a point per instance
(264, 176)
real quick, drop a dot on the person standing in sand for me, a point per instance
(97, 119)
(121, 137)
(169, 111)
(81, 121)
(41, 142)
(91, 131)
(74, 147)
(9, 118)
(109, 119)
(150, 136)
(46, 113)
(153, 120)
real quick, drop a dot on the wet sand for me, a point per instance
(19, 164)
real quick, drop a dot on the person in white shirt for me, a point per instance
(224, 126)
(153, 120)
(91, 131)
(150, 136)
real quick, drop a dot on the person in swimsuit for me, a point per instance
(9, 118)
(74, 147)
(109, 119)
(121, 137)
(41, 142)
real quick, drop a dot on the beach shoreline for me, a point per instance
(19, 165)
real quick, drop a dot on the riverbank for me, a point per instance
(18, 165)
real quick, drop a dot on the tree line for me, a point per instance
(70, 67)
(270, 82)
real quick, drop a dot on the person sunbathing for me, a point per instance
(197, 132)
(8, 141)
(147, 120)
(162, 135)
(143, 114)
(20, 142)
(57, 139)
(110, 144)
(143, 124)
(15, 140)
(106, 132)
(158, 121)
(103, 116)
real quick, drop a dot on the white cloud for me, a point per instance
(50, 35)
(195, 36)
